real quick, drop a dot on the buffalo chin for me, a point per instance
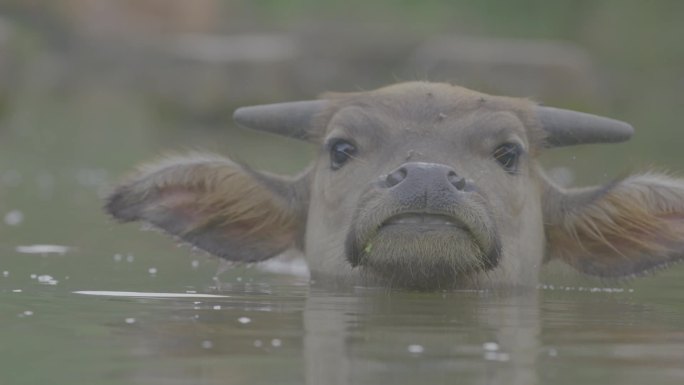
(424, 256)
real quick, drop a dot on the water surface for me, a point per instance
(174, 324)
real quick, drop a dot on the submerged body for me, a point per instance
(418, 185)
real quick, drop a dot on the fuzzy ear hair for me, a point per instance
(215, 205)
(626, 228)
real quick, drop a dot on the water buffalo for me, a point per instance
(419, 185)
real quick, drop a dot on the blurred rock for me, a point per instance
(545, 69)
(6, 33)
(139, 19)
(339, 58)
(6, 30)
(195, 60)
(218, 49)
(205, 73)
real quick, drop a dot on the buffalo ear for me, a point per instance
(215, 205)
(626, 228)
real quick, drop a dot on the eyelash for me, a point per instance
(341, 151)
(508, 156)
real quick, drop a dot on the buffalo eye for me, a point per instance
(507, 155)
(340, 152)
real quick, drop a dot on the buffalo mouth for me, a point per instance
(425, 221)
(424, 249)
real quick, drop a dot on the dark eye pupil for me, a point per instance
(340, 153)
(507, 156)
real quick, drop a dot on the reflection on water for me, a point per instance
(43, 249)
(413, 338)
(134, 294)
(176, 327)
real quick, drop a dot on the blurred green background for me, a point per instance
(90, 88)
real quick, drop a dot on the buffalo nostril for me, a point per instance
(395, 177)
(456, 181)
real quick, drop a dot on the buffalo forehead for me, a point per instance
(418, 105)
(433, 112)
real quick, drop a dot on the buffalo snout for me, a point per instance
(414, 182)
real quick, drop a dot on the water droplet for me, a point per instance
(14, 218)
(415, 349)
(217, 307)
(244, 320)
(5, 273)
(33, 276)
(27, 313)
(207, 344)
(130, 321)
(130, 258)
(276, 342)
(195, 264)
(46, 280)
(152, 270)
(16, 291)
(43, 249)
(490, 346)
(118, 257)
(258, 343)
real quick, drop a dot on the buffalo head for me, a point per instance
(418, 185)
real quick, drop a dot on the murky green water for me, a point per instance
(266, 328)
(274, 329)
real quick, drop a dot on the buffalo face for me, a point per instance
(423, 194)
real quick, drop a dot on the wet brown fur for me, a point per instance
(208, 191)
(636, 222)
